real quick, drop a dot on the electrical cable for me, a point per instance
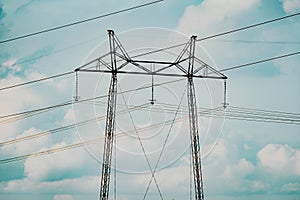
(238, 113)
(142, 146)
(221, 34)
(260, 61)
(54, 52)
(85, 100)
(259, 41)
(79, 22)
(37, 80)
(174, 46)
(201, 114)
(67, 127)
(50, 151)
(221, 70)
(266, 111)
(164, 144)
(250, 26)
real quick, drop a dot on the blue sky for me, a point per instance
(251, 160)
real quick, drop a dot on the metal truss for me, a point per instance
(185, 65)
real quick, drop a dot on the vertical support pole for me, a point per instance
(193, 122)
(110, 123)
(195, 141)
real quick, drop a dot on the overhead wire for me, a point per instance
(79, 22)
(76, 145)
(53, 52)
(221, 70)
(24, 116)
(41, 109)
(67, 127)
(221, 34)
(205, 113)
(248, 114)
(164, 144)
(83, 100)
(37, 80)
(49, 151)
(175, 46)
(290, 118)
(229, 113)
(250, 26)
(267, 111)
(259, 41)
(260, 61)
(141, 143)
(209, 37)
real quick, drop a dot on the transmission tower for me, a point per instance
(185, 65)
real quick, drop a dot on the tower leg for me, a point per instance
(109, 138)
(195, 141)
(110, 123)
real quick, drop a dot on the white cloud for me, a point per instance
(57, 84)
(69, 116)
(291, 5)
(10, 65)
(63, 197)
(240, 170)
(19, 185)
(25, 147)
(168, 179)
(39, 168)
(84, 184)
(291, 187)
(258, 185)
(210, 14)
(14, 100)
(280, 159)
(219, 150)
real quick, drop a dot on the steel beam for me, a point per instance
(110, 124)
(195, 141)
(193, 122)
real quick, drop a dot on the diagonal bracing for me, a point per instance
(185, 65)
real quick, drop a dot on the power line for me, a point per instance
(54, 52)
(39, 109)
(64, 128)
(204, 113)
(164, 144)
(72, 146)
(79, 22)
(226, 69)
(266, 111)
(141, 144)
(250, 26)
(37, 80)
(167, 48)
(50, 151)
(89, 99)
(260, 61)
(222, 34)
(259, 41)
(66, 103)
(232, 112)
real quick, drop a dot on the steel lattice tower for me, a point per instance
(110, 123)
(193, 120)
(189, 70)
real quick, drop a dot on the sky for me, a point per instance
(241, 159)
